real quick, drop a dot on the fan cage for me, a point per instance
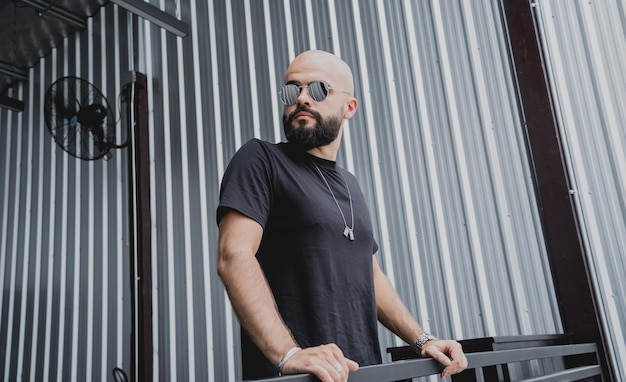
(79, 118)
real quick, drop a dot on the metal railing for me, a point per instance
(407, 369)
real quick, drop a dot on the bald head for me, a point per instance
(324, 65)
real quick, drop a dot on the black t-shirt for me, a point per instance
(322, 282)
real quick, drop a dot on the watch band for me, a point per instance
(421, 340)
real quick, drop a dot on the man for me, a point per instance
(296, 247)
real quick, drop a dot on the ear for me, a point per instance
(350, 108)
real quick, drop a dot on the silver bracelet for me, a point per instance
(286, 357)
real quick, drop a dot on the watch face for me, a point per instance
(422, 339)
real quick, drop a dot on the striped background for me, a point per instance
(586, 51)
(437, 145)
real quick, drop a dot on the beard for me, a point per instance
(322, 133)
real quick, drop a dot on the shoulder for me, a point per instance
(259, 159)
(348, 176)
(253, 153)
(254, 145)
(259, 148)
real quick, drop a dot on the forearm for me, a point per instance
(392, 312)
(394, 315)
(255, 307)
(247, 287)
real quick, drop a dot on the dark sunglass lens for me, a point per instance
(318, 90)
(289, 94)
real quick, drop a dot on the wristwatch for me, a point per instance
(421, 340)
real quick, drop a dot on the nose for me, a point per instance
(303, 97)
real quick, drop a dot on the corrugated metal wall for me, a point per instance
(64, 235)
(585, 46)
(437, 145)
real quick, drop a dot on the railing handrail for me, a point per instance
(407, 369)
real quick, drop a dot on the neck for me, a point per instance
(324, 152)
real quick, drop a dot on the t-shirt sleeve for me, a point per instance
(246, 185)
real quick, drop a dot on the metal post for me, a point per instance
(566, 253)
(140, 227)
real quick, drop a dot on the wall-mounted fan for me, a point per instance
(82, 122)
(80, 119)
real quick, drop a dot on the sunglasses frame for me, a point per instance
(325, 88)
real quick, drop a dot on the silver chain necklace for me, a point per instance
(348, 231)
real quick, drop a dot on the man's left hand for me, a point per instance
(447, 352)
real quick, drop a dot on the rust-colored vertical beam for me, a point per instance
(566, 253)
(141, 228)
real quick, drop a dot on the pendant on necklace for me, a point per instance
(349, 233)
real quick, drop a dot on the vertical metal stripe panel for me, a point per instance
(15, 233)
(9, 264)
(374, 160)
(61, 299)
(421, 119)
(271, 72)
(187, 155)
(38, 155)
(92, 371)
(75, 230)
(205, 301)
(90, 232)
(50, 232)
(235, 115)
(252, 70)
(23, 319)
(220, 312)
(6, 136)
(453, 79)
(403, 177)
(163, 130)
(335, 47)
(60, 339)
(492, 158)
(229, 371)
(584, 45)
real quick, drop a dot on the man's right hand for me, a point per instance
(326, 362)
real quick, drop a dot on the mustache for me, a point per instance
(303, 108)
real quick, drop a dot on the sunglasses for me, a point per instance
(318, 91)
